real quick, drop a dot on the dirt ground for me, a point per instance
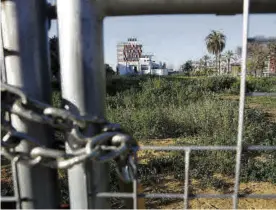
(169, 184)
(208, 203)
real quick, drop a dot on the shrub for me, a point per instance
(264, 84)
(218, 84)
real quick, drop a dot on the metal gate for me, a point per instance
(90, 140)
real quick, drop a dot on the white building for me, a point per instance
(148, 66)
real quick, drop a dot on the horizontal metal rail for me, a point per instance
(181, 195)
(153, 7)
(8, 199)
(207, 148)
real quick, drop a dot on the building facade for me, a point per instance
(270, 69)
(128, 56)
(131, 60)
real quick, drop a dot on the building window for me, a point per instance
(144, 67)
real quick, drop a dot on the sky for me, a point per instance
(174, 39)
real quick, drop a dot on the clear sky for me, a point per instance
(175, 39)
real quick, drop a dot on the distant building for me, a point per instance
(128, 56)
(131, 60)
(270, 66)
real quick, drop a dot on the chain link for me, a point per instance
(110, 144)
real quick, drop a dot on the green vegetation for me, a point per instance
(229, 62)
(188, 109)
(191, 111)
(224, 84)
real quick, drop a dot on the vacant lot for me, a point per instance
(191, 111)
(204, 111)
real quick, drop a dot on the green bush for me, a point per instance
(264, 84)
(218, 84)
(118, 84)
(235, 88)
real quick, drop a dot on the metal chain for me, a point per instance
(110, 144)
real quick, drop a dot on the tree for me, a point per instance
(201, 64)
(206, 59)
(164, 65)
(109, 70)
(257, 56)
(251, 66)
(187, 67)
(272, 47)
(229, 55)
(239, 51)
(215, 43)
(258, 53)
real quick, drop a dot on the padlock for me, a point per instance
(126, 168)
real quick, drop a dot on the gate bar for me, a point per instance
(24, 30)
(154, 7)
(83, 91)
(246, 8)
(2, 60)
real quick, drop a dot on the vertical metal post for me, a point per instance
(246, 5)
(2, 60)
(3, 69)
(83, 90)
(24, 28)
(186, 182)
(135, 186)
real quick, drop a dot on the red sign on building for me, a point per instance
(272, 64)
(132, 52)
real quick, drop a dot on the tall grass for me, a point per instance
(192, 112)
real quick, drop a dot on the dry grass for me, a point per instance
(204, 203)
(168, 184)
(245, 203)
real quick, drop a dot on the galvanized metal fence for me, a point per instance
(25, 65)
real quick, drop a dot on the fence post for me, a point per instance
(246, 11)
(2, 60)
(83, 90)
(24, 28)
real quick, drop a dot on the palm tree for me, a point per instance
(229, 55)
(215, 43)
